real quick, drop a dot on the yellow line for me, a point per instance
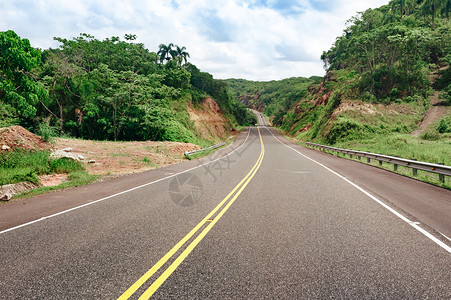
(160, 280)
(168, 255)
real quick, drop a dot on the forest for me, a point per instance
(393, 49)
(108, 89)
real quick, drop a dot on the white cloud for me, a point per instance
(254, 39)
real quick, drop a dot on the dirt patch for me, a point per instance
(18, 137)
(304, 129)
(362, 107)
(373, 109)
(209, 120)
(437, 111)
(52, 179)
(356, 106)
(113, 158)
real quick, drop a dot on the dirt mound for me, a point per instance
(18, 137)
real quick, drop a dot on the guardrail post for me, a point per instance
(380, 163)
(414, 171)
(368, 160)
(395, 167)
(441, 177)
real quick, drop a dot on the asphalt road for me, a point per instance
(268, 220)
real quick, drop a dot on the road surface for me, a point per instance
(261, 219)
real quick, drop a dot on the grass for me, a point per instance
(65, 165)
(47, 132)
(408, 172)
(202, 153)
(401, 145)
(24, 165)
(76, 178)
(149, 163)
(405, 146)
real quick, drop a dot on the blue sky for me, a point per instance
(253, 39)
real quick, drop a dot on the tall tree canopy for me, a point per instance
(394, 55)
(18, 91)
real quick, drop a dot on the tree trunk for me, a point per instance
(433, 16)
(61, 120)
(114, 116)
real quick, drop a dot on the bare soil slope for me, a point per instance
(209, 120)
(437, 110)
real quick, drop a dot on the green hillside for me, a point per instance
(272, 97)
(388, 69)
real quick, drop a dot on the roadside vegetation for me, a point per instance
(76, 178)
(26, 165)
(110, 90)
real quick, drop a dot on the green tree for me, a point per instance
(17, 89)
(130, 37)
(164, 52)
(432, 7)
(181, 55)
(405, 7)
(57, 74)
(446, 8)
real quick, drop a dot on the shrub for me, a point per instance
(394, 92)
(430, 136)
(445, 125)
(345, 129)
(65, 165)
(46, 131)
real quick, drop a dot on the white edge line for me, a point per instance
(123, 192)
(413, 224)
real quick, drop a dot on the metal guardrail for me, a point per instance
(203, 149)
(439, 169)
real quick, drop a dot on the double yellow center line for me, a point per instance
(209, 219)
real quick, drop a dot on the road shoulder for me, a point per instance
(420, 202)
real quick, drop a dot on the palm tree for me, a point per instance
(181, 54)
(404, 6)
(446, 8)
(171, 51)
(432, 7)
(165, 51)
